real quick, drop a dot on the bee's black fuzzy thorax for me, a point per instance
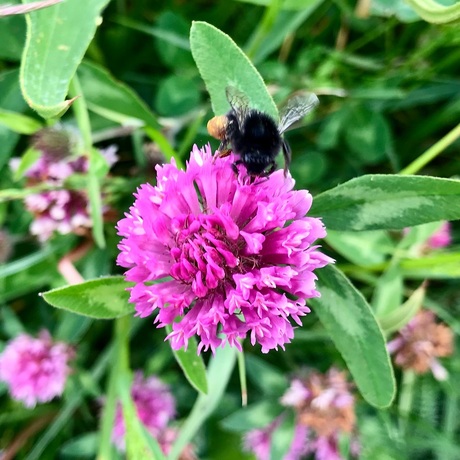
(257, 141)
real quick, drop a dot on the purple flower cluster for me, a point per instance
(229, 256)
(58, 209)
(35, 369)
(155, 406)
(442, 237)
(324, 409)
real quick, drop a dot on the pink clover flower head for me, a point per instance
(35, 369)
(324, 407)
(419, 344)
(442, 237)
(62, 211)
(235, 257)
(155, 407)
(259, 441)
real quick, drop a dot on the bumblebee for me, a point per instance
(255, 136)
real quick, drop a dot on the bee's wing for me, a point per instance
(295, 109)
(239, 103)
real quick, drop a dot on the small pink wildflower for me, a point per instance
(442, 237)
(35, 369)
(61, 210)
(420, 343)
(325, 405)
(155, 406)
(234, 257)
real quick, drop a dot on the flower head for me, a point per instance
(323, 402)
(35, 369)
(155, 407)
(418, 345)
(58, 210)
(441, 238)
(235, 258)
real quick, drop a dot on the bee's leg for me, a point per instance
(235, 165)
(287, 156)
(223, 150)
(272, 167)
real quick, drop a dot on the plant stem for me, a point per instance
(432, 152)
(121, 365)
(243, 382)
(406, 397)
(81, 113)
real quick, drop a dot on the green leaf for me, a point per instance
(176, 95)
(285, 5)
(111, 98)
(285, 24)
(10, 99)
(388, 293)
(265, 376)
(399, 317)
(103, 298)
(27, 160)
(398, 8)
(85, 444)
(374, 202)
(367, 134)
(353, 328)
(257, 415)
(192, 365)
(363, 248)
(19, 123)
(12, 37)
(434, 12)
(57, 38)
(434, 266)
(221, 63)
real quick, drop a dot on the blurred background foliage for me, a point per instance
(389, 88)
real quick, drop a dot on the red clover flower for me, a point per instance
(229, 256)
(58, 210)
(35, 369)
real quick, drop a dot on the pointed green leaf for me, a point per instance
(399, 317)
(103, 298)
(353, 328)
(57, 38)
(257, 415)
(435, 12)
(388, 293)
(221, 63)
(374, 202)
(18, 122)
(192, 365)
(29, 158)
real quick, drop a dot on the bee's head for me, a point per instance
(217, 127)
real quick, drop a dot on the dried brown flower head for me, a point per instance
(419, 344)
